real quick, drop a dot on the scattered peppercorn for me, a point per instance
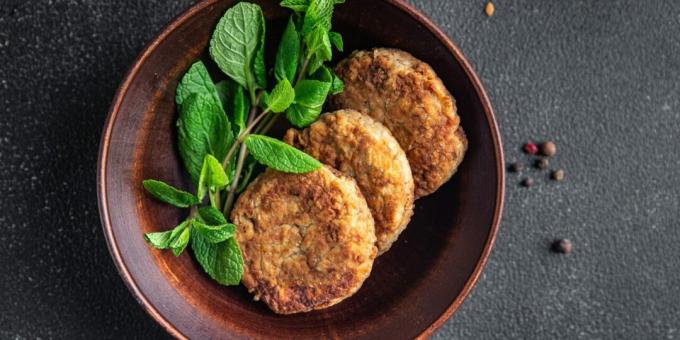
(548, 149)
(542, 163)
(515, 167)
(527, 182)
(489, 9)
(530, 148)
(557, 175)
(562, 246)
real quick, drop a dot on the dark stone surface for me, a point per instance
(600, 78)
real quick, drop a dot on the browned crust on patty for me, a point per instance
(406, 95)
(308, 240)
(365, 150)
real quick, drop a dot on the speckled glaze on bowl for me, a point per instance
(413, 289)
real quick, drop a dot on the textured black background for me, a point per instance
(601, 78)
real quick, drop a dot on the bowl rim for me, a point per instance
(180, 20)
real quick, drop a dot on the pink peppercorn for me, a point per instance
(530, 148)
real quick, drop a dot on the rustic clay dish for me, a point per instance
(413, 289)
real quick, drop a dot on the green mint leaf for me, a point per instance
(325, 74)
(240, 108)
(311, 92)
(224, 89)
(310, 96)
(170, 194)
(203, 179)
(196, 81)
(202, 129)
(318, 49)
(337, 86)
(281, 97)
(235, 103)
(247, 172)
(336, 40)
(221, 261)
(179, 229)
(211, 216)
(314, 65)
(301, 116)
(325, 51)
(319, 44)
(259, 67)
(162, 240)
(178, 244)
(236, 41)
(218, 178)
(231, 166)
(302, 5)
(315, 29)
(214, 233)
(159, 240)
(279, 155)
(288, 54)
(298, 19)
(296, 5)
(318, 14)
(213, 177)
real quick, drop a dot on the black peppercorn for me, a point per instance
(515, 167)
(527, 182)
(542, 163)
(562, 246)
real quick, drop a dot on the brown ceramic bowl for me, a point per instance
(413, 289)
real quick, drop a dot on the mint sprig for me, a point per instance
(221, 127)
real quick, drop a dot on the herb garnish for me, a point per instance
(219, 125)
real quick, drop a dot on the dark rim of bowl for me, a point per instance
(181, 19)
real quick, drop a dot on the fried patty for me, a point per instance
(365, 150)
(308, 240)
(406, 95)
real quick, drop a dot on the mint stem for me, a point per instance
(251, 126)
(265, 127)
(239, 139)
(242, 136)
(252, 122)
(303, 70)
(234, 184)
(263, 123)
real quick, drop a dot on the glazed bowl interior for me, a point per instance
(413, 288)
